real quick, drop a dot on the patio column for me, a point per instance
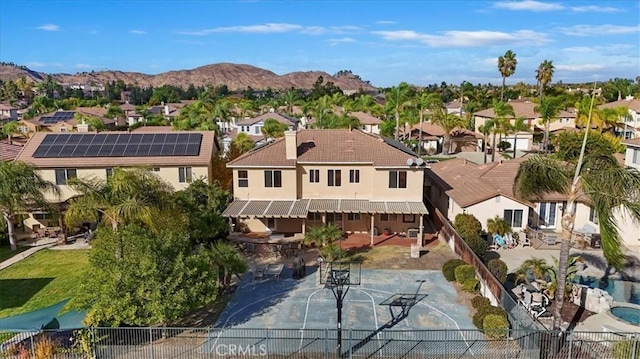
(421, 230)
(324, 219)
(304, 225)
(372, 224)
(231, 229)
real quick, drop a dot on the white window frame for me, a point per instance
(243, 178)
(334, 178)
(395, 177)
(635, 157)
(548, 214)
(511, 219)
(593, 216)
(185, 174)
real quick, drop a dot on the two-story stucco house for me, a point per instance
(628, 227)
(253, 127)
(8, 113)
(486, 191)
(177, 157)
(361, 182)
(526, 109)
(630, 125)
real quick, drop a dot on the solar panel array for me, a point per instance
(57, 117)
(119, 145)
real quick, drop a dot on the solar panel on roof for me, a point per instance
(118, 145)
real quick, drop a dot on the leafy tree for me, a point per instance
(552, 273)
(397, 100)
(569, 144)
(114, 112)
(598, 178)
(9, 129)
(22, 188)
(243, 143)
(273, 129)
(227, 260)
(467, 225)
(127, 196)
(507, 67)
(141, 277)
(203, 204)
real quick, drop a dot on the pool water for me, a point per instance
(621, 291)
(627, 314)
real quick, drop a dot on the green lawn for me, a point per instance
(6, 253)
(43, 279)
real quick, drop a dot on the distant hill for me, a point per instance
(235, 76)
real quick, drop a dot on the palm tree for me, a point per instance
(228, 261)
(290, 99)
(21, 189)
(544, 74)
(600, 180)
(397, 99)
(503, 114)
(549, 108)
(538, 267)
(273, 129)
(126, 196)
(499, 226)
(243, 142)
(423, 102)
(485, 129)
(323, 236)
(507, 67)
(518, 126)
(447, 121)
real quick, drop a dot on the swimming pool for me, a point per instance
(621, 291)
(629, 315)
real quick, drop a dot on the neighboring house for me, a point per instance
(9, 150)
(455, 108)
(64, 121)
(462, 140)
(631, 124)
(8, 113)
(370, 123)
(486, 191)
(168, 111)
(525, 109)
(628, 227)
(177, 157)
(360, 182)
(253, 127)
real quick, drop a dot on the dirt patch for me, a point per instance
(205, 316)
(432, 257)
(572, 313)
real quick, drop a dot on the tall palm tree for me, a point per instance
(423, 102)
(599, 179)
(126, 196)
(516, 127)
(507, 67)
(544, 74)
(549, 108)
(485, 129)
(448, 122)
(503, 113)
(21, 189)
(397, 99)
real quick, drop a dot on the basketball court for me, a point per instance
(387, 309)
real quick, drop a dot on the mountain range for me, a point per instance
(234, 76)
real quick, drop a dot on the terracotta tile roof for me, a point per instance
(329, 146)
(524, 109)
(7, 107)
(207, 149)
(435, 131)
(9, 152)
(632, 142)
(468, 183)
(366, 118)
(127, 107)
(632, 104)
(154, 129)
(287, 120)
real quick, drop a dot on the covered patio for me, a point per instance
(290, 218)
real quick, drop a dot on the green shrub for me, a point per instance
(467, 225)
(478, 318)
(499, 269)
(624, 349)
(479, 301)
(477, 245)
(495, 326)
(449, 267)
(465, 273)
(471, 285)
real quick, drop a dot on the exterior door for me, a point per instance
(548, 213)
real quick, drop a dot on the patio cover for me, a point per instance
(300, 208)
(46, 318)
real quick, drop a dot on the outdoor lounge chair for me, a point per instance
(526, 300)
(498, 240)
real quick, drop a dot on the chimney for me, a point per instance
(83, 127)
(291, 145)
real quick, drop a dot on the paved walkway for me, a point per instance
(40, 245)
(22, 255)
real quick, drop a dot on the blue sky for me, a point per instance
(386, 42)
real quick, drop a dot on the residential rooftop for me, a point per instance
(524, 109)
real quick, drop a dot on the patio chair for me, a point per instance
(526, 241)
(498, 240)
(526, 300)
(539, 303)
(258, 273)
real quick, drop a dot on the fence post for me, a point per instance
(33, 346)
(94, 344)
(350, 345)
(506, 345)
(266, 334)
(570, 345)
(326, 342)
(151, 342)
(634, 347)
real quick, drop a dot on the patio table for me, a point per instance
(273, 271)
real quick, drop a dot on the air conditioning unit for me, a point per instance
(413, 232)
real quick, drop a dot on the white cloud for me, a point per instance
(385, 22)
(456, 38)
(138, 32)
(528, 5)
(276, 28)
(590, 30)
(38, 64)
(343, 40)
(85, 66)
(579, 67)
(595, 8)
(48, 27)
